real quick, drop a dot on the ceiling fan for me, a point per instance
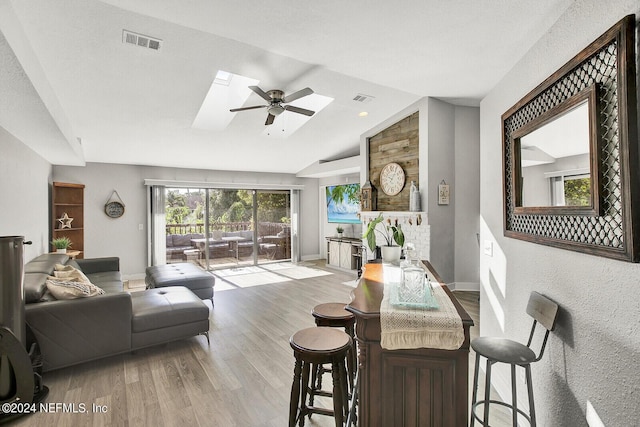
(276, 98)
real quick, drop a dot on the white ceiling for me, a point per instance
(73, 77)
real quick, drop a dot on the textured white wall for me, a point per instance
(24, 195)
(467, 197)
(121, 237)
(441, 166)
(593, 355)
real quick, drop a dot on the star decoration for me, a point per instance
(65, 221)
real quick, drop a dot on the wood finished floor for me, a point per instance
(242, 379)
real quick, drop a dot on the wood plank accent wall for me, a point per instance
(398, 143)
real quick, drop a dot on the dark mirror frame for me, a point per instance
(594, 208)
(605, 69)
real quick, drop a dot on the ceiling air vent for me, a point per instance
(363, 98)
(141, 40)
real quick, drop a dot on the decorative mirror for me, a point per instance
(569, 149)
(556, 159)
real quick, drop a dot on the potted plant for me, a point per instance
(391, 234)
(339, 230)
(61, 244)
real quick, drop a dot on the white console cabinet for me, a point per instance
(344, 252)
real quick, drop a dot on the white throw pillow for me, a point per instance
(68, 272)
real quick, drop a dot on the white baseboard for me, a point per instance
(311, 257)
(464, 286)
(137, 276)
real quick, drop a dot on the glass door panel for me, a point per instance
(273, 227)
(184, 224)
(231, 235)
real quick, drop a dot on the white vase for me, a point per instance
(414, 198)
(61, 251)
(391, 254)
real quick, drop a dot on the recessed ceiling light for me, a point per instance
(363, 114)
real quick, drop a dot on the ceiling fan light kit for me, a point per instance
(276, 98)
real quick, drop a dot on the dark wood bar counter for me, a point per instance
(417, 387)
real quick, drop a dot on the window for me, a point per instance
(570, 190)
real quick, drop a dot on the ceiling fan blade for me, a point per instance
(299, 110)
(297, 95)
(260, 92)
(270, 119)
(233, 110)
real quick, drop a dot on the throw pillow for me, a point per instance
(70, 289)
(69, 272)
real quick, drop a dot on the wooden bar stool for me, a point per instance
(334, 315)
(317, 346)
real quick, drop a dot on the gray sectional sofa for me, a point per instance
(79, 330)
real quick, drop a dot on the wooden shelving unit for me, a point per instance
(68, 198)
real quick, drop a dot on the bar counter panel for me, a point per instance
(418, 387)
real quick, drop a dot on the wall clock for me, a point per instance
(392, 179)
(114, 208)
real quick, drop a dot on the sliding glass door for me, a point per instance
(221, 228)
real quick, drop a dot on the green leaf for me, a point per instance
(398, 235)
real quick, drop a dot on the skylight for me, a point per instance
(223, 78)
(227, 89)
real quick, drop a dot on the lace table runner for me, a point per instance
(409, 328)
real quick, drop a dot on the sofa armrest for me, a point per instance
(98, 265)
(79, 330)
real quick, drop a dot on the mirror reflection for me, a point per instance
(555, 161)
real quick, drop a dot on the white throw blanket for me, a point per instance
(71, 283)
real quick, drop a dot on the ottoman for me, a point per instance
(166, 314)
(181, 274)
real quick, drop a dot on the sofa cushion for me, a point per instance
(40, 266)
(97, 265)
(109, 281)
(165, 307)
(181, 240)
(55, 258)
(34, 287)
